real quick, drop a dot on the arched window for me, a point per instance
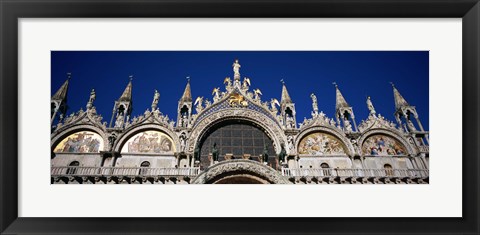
(72, 169)
(238, 138)
(143, 165)
(388, 169)
(121, 110)
(326, 169)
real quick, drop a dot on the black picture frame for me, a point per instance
(12, 10)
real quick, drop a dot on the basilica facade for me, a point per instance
(236, 137)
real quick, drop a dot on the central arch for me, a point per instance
(235, 138)
(270, 127)
(240, 172)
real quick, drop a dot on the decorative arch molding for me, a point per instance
(410, 150)
(253, 104)
(327, 130)
(272, 129)
(89, 117)
(241, 168)
(122, 139)
(58, 137)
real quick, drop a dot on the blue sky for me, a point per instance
(358, 74)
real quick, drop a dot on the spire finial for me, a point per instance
(69, 75)
(398, 98)
(285, 96)
(393, 85)
(335, 84)
(130, 77)
(187, 94)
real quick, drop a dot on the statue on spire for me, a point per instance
(156, 97)
(314, 104)
(91, 99)
(236, 70)
(370, 106)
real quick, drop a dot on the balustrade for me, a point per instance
(330, 172)
(122, 171)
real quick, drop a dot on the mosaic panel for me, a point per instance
(382, 145)
(321, 144)
(80, 142)
(149, 142)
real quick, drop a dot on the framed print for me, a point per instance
(338, 104)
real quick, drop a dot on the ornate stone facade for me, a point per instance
(154, 149)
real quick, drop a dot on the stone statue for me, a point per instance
(119, 121)
(198, 103)
(228, 82)
(91, 99)
(370, 106)
(348, 126)
(156, 97)
(184, 120)
(111, 141)
(282, 154)
(290, 122)
(265, 154)
(236, 70)
(92, 96)
(246, 83)
(183, 141)
(314, 103)
(257, 93)
(273, 104)
(290, 142)
(196, 154)
(216, 94)
(215, 152)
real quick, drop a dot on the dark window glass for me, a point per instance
(236, 138)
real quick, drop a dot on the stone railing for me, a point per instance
(122, 171)
(423, 149)
(329, 172)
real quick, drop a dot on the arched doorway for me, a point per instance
(240, 172)
(240, 179)
(236, 138)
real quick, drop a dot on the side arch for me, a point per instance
(410, 150)
(145, 127)
(272, 129)
(349, 147)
